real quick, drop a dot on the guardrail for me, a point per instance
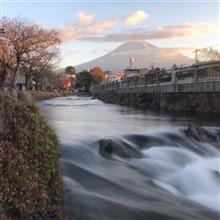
(140, 86)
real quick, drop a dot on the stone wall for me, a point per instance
(190, 103)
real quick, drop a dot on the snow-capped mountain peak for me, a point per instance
(133, 45)
(144, 55)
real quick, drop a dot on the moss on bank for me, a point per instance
(30, 181)
(44, 95)
(37, 95)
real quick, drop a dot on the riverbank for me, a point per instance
(207, 104)
(30, 182)
(37, 95)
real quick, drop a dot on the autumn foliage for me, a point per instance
(30, 182)
(97, 75)
(26, 49)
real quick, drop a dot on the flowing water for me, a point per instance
(122, 164)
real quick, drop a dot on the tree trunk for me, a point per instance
(13, 81)
(37, 85)
(3, 76)
(26, 82)
(2, 80)
(14, 74)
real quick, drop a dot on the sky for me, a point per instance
(90, 28)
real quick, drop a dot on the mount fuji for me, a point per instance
(144, 54)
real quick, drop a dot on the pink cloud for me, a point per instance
(85, 26)
(136, 17)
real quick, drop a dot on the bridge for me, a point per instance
(201, 78)
(208, 86)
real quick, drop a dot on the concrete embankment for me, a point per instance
(206, 103)
(30, 180)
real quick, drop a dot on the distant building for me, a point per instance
(68, 85)
(69, 82)
(20, 82)
(130, 72)
(131, 62)
(199, 71)
(114, 76)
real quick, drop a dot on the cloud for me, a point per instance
(85, 26)
(85, 19)
(72, 51)
(88, 27)
(187, 30)
(136, 17)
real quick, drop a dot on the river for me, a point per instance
(119, 163)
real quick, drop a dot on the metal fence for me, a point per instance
(141, 86)
(198, 78)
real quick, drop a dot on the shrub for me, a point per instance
(30, 181)
(39, 95)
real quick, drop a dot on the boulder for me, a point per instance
(201, 134)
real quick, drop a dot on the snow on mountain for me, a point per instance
(144, 54)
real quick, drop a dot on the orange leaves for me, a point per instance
(96, 71)
(27, 42)
(97, 75)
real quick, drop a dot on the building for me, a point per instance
(130, 72)
(69, 82)
(111, 76)
(20, 82)
(199, 71)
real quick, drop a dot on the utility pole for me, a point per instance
(196, 54)
(152, 65)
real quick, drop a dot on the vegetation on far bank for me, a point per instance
(85, 79)
(30, 181)
(37, 95)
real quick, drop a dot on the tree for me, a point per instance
(4, 59)
(41, 76)
(28, 44)
(83, 81)
(58, 81)
(207, 54)
(70, 70)
(97, 75)
(154, 70)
